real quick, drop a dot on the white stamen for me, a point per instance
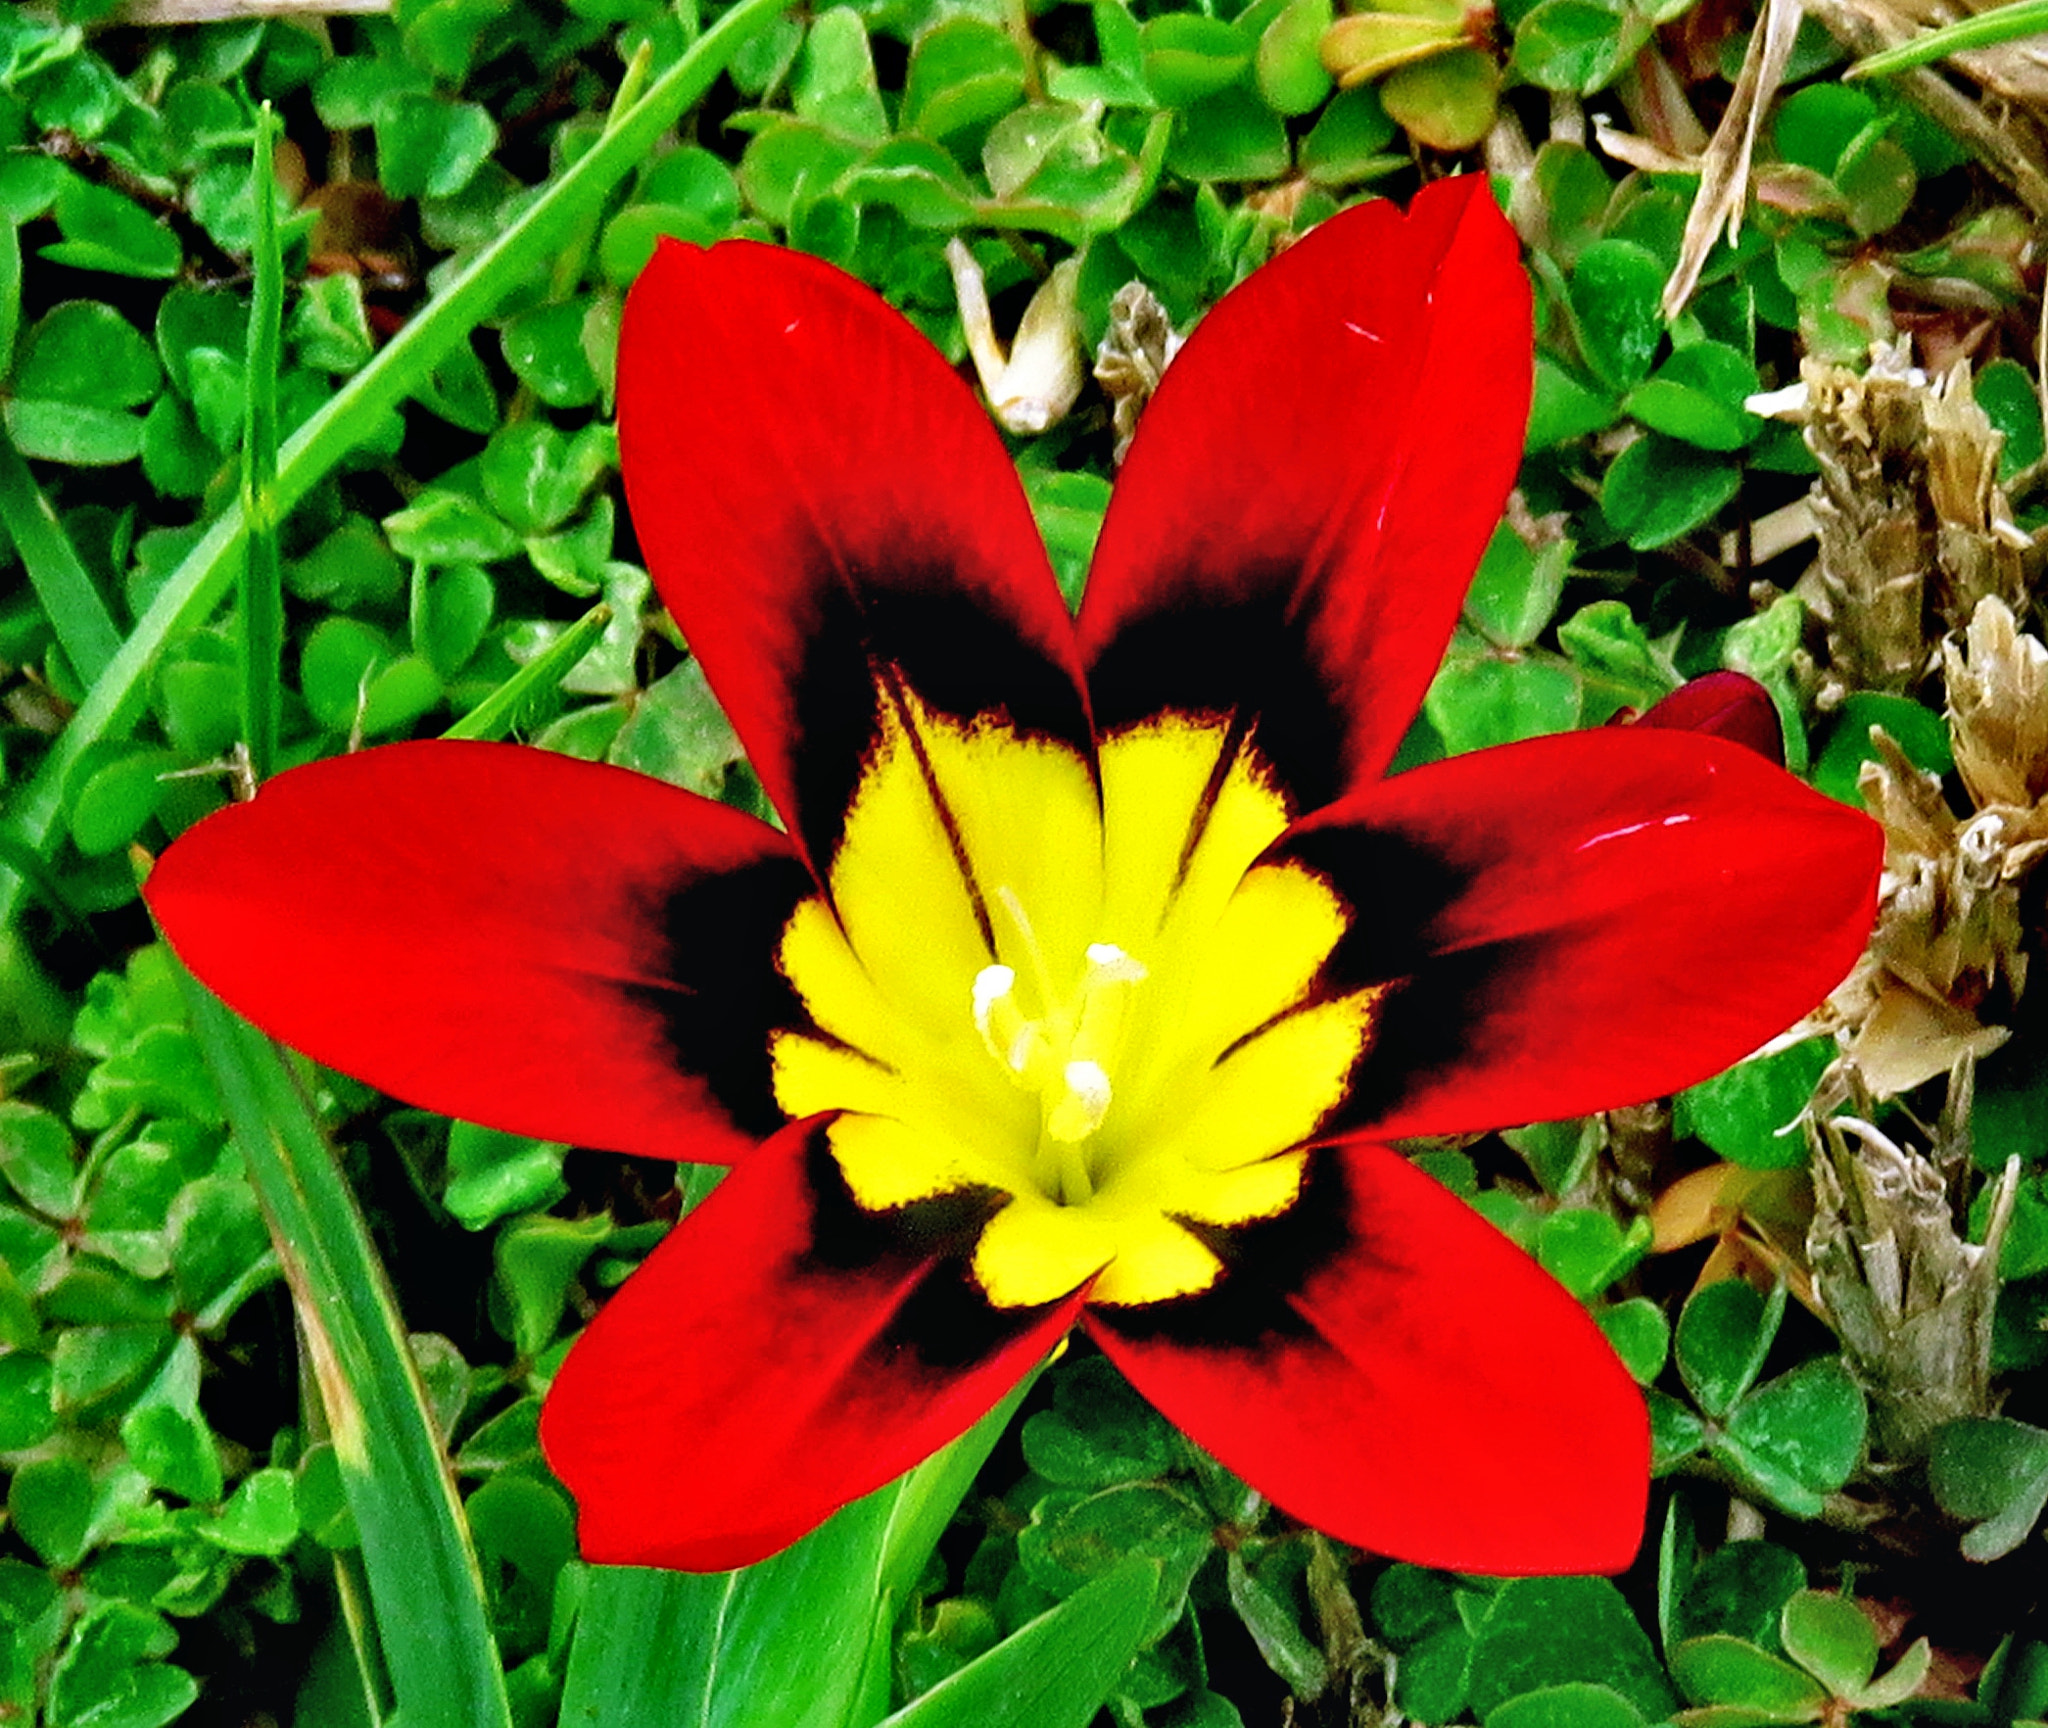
(1086, 1101)
(1109, 964)
(991, 985)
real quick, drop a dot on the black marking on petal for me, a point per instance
(1435, 1014)
(1435, 1023)
(1395, 891)
(961, 660)
(1265, 1263)
(891, 680)
(945, 1322)
(1248, 657)
(722, 996)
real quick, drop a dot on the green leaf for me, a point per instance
(712, 1649)
(117, 794)
(1099, 1432)
(1799, 1438)
(106, 1678)
(1740, 1589)
(1231, 136)
(1574, 45)
(545, 350)
(27, 1415)
(1813, 127)
(1074, 1538)
(1565, 409)
(1720, 1670)
(428, 146)
(1349, 140)
(1288, 66)
(493, 1174)
(1055, 1672)
(457, 615)
(1659, 489)
(85, 352)
(527, 477)
(1448, 101)
(1640, 1334)
(1994, 1472)
(174, 1450)
(2005, 391)
(39, 1158)
(1918, 731)
(1480, 699)
(1616, 295)
(78, 437)
(330, 328)
(677, 732)
(536, 1258)
(1543, 1632)
(1832, 1639)
(1516, 590)
(1696, 396)
(1576, 1704)
(1189, 56)
(1275, 1626)
(1724, 1334)
(49, 1503)
(261, 1517)
(1751, 1113)
(443, 527)
(1585, 1250)
(834, 85)
(964, 74)
(104, 230)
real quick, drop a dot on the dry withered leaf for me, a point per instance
(1950, 950)
(1033, 383)
(1911, 1300)
(1135, 352)
(1914, 527)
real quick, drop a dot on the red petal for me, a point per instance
(1729, 705)
(1313, 484)
(779, 1355)
(820, 496)
(1585, 921)
(1426, 1392)
(548, 946)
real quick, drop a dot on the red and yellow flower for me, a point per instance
(1097, 959)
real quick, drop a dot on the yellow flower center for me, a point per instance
(1091, 1000)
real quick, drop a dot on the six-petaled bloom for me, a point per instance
(1100, 957)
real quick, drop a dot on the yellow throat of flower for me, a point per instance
(1094, 1003)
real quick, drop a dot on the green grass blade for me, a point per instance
(779, 1645)
(198, 585)
(1991, 29)
(261, 636)
(714, 1651)
(1054, 1673)
(423, 1575)
(85, 628)
(499, 712)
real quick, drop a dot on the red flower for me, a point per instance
(1052, 1007)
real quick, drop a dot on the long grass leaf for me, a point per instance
(85, 628)
(115, 702)
(500, 711)
(424, 1582)
(1991, 29)
(261, 636)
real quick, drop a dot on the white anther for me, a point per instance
(1086, 1101)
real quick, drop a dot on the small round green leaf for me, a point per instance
(1832, 1639)
(1724, 1333)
